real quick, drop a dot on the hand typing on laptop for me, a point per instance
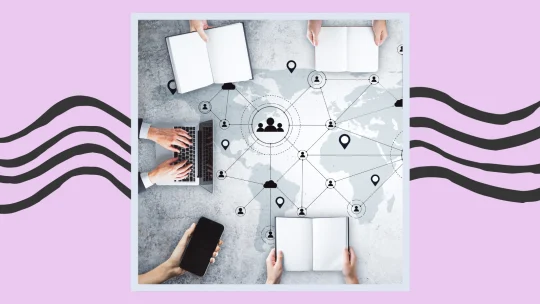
(170, 138)
(170, 170)
(379, 30)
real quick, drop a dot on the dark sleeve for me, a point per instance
(140, 125)
(142, 188)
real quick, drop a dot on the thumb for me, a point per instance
(353, 256)
(315, 39)
(279, 257)
(201, 32)
(189, 232)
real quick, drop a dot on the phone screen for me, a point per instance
(201, 246)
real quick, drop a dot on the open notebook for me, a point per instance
(197, 64)
(312, 243)
(347, 49)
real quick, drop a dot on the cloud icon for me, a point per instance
(270, 184)
(399, 103)
(228, 86)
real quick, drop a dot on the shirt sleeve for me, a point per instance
(144, 130)
(146, 180)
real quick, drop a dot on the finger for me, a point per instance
(316, 38)
(217, 249)
(212, 260)
(201, 32)
(179, 165)
(180, 131)
(378, 39)
(188, 232)
(310, 37)
(183, 170)
(183, 140)
(384, 36)
(182, 176)
(170, 161)
(220, 242)
(279, 257)
(353, 256)
(173, 148)
(184, 134)
(346, 256)
(215, 254)
(271, 256)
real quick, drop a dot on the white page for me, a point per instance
(190, 63)
(227, 50)
(362, 52)
(294, 238)
(330, 238)
(331, 53)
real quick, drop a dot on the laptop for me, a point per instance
(200, 154)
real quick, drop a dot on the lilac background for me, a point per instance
(74, 246)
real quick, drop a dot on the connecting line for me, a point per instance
(347, 79)
(292, 144)
(368, 170)
(307, 125)
(215, 95)
(392, 106)
(270, 209)
(325, 104)
(316, 198)
(245, 98)
(288, 170)
(317, 140)
(302, 193)
(254, 197)
(270, 161)
(386, 90)
(316, 169)
(245, 180)
(241, 156)
(297, 99)
(215, 115)
(290, 200)
(342, 196)
(352, 103)
(227, 106)
(354, 155)
(383, 183)
(369, 139)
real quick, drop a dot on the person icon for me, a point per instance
(221, 174)
(401, 48)
(356, 209)
(240, 211)
(302, 154)
(224, 124)
(260, 127)
(302, 212)
(205, 106)
(270, 235)
(279, 127)
(373, 79)
(330, 124)
(317, 79)
(330, 184)
(270, 127)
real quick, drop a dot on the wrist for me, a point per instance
(272, 281)
(152, 176)
(167, 270)
(152, 133)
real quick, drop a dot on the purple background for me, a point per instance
(74, 246)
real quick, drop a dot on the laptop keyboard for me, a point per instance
(207, 154)
(187, 154)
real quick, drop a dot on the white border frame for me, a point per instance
(135, 17)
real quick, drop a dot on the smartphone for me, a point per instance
(201, 246)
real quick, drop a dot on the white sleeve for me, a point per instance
(144, 130)
(146, 180)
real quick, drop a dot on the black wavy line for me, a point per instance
(61, 157)
(483, 166)
(489, 144)
(63, 106)
(54, 185)
(492, 118)
(21, 160)
(504, 194)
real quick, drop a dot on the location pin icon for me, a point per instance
(291, 65)
(344, 140)
(225, 144)
(375, 179)
(280, 201)
(172, 90)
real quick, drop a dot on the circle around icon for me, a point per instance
(221, 174)
(302, 154)
(316, 79)
(330, 183)
(330, 124)
(400, 49)
(302, 211)
(224, 124)
(240, 211)
(373, 79)
(205, 107)
(356, 209)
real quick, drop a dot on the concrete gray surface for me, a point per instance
(165, 212)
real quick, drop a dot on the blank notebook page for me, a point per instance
(293, 237)
(190, 63)
(227, 50)
(329, 241)
(362, 53)
(331, 53)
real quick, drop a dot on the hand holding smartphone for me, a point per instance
(201, 246)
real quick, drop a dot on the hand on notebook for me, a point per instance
(274, 267)
(313, 29)
(168, 138)
(171, 267)
(380, 32)
(199, 26)
(349, 266)
(168, 170)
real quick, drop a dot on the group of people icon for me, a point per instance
(270, 126)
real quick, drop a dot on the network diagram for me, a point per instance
(271, 125)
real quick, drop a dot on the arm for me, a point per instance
(349, 266)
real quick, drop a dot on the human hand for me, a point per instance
(169, 170)
(349, 266)
(380, 32)
(274, 267)
(168, 138)
(313, 29)
(173, 263)
(199, 26)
